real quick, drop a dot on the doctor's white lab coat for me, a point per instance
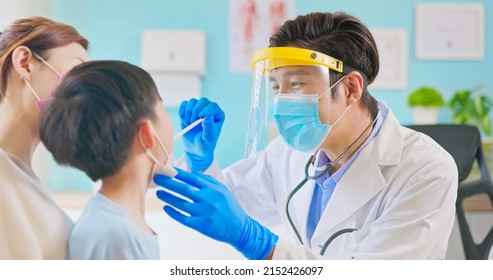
(399, 194)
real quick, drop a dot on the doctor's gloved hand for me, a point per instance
(214, 212)
(200, 142)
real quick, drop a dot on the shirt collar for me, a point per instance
(323, 159)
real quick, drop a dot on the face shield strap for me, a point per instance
(348, 68)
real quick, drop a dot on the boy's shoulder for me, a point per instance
(102, 217)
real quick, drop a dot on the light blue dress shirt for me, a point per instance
(326, 184)
(106, 231)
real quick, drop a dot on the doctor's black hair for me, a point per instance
(339, 35)
(96, 111)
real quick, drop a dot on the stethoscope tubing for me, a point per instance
(298, 187)
(326, 169)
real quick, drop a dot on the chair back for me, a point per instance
(460, 141)
(463, 142)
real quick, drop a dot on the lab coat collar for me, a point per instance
(364, 179)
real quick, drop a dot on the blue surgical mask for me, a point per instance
(298, 121)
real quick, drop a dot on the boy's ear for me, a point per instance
(146, 135)
(20, 60)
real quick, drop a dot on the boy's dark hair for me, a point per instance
(95, 113)
(339, 35)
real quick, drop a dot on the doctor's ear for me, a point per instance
(146, 135)
(355, 86)
(21, 62)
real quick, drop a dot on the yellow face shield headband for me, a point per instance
(287, 56)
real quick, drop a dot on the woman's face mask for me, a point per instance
(40, 103)
(298, 121)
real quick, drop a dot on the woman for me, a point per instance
(34, 54)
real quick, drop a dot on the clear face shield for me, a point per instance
(287, 86)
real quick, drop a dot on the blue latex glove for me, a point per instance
(200, 142)
(214, 212)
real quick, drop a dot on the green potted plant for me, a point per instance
(471, 107)
(425, 102)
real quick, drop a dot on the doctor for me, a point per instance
(344, 178)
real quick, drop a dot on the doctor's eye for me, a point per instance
(297, 85)
(275, 87)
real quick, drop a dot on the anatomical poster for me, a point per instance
(250, 24)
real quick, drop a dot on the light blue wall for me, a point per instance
(114, 28)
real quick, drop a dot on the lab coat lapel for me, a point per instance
(360, 183)
(364, 179)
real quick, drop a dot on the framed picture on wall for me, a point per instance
(393, 52)
(450, 31)
(250, 24)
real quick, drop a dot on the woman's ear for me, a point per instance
(146, 135)
(355, 87)
(21, 61)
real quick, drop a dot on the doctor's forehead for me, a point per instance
(292, 71)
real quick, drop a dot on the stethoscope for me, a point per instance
(323, 170)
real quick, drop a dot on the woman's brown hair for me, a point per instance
(39, 34)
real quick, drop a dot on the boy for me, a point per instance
(107, 119)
